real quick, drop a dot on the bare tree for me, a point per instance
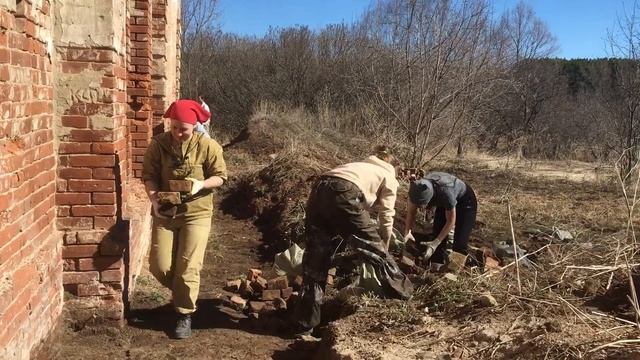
(623, 101)
(422, 62)
(198, 28)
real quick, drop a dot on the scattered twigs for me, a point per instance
(515, 249)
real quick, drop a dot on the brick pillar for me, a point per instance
(30, 264)
(90, 122)
(139, 85)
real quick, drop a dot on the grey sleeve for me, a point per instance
(449, 198)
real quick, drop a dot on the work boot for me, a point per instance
(183, 326)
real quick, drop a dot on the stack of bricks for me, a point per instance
(139, 87)
(262, 298)
(30, 264)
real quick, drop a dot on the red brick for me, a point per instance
(100, 263)
(79, 251)
(75, 121)
(79, 277)
(91, 185)
(74, 223)
(73, 198)
(104, 173)
(75, 173)
(91, 161)
(103, 148)
(93, 210)
(111, 275)
(92, 236)
(104, 222)
(74, 67)
(103, 198)
(74, 148)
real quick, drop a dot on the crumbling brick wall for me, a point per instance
(30, 247)
(76, 114)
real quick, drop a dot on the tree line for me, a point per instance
(425, 75)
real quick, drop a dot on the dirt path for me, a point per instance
(219, 333)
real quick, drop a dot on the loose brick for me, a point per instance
(256, 306)
(233, 285)
(259, 284)
(286, 293)
(100, 263)
(270, 295)
(279, 283)
(237, 302)
(252, 274)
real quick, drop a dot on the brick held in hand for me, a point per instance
(270, 295)
(180, 185)
(167, 197)
(279, 283)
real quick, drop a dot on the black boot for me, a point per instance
(183, 326)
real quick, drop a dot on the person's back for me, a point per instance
(369, 175)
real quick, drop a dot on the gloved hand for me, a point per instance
(156, 210)
(196, 185)
(431, 248)
(409, 236)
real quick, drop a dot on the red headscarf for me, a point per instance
(187, 111)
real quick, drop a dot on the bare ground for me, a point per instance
(219, 333)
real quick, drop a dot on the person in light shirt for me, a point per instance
(338, 210)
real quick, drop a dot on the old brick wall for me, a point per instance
(30, 247)
(78, 82)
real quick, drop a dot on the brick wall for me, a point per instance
(30, 261)
(75, 119)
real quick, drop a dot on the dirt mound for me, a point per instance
(291, 153)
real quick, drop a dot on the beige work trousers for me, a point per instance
(177, 252)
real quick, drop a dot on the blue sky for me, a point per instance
(579, 25)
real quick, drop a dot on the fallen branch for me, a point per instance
(615, 344)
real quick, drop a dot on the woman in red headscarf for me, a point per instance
(182, 209)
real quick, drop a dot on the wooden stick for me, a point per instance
(615, 343)
(515, 249)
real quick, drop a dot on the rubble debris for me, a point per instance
(237, 302)
(450, 277)
(562, 235)
(286, 293)
(252, 274)
(256, 306)
(487, 300)
(270, 294)
(456, 262)
(233, 285)
(279, 283)
(259, 284)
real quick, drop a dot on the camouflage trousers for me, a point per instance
(336, 213)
